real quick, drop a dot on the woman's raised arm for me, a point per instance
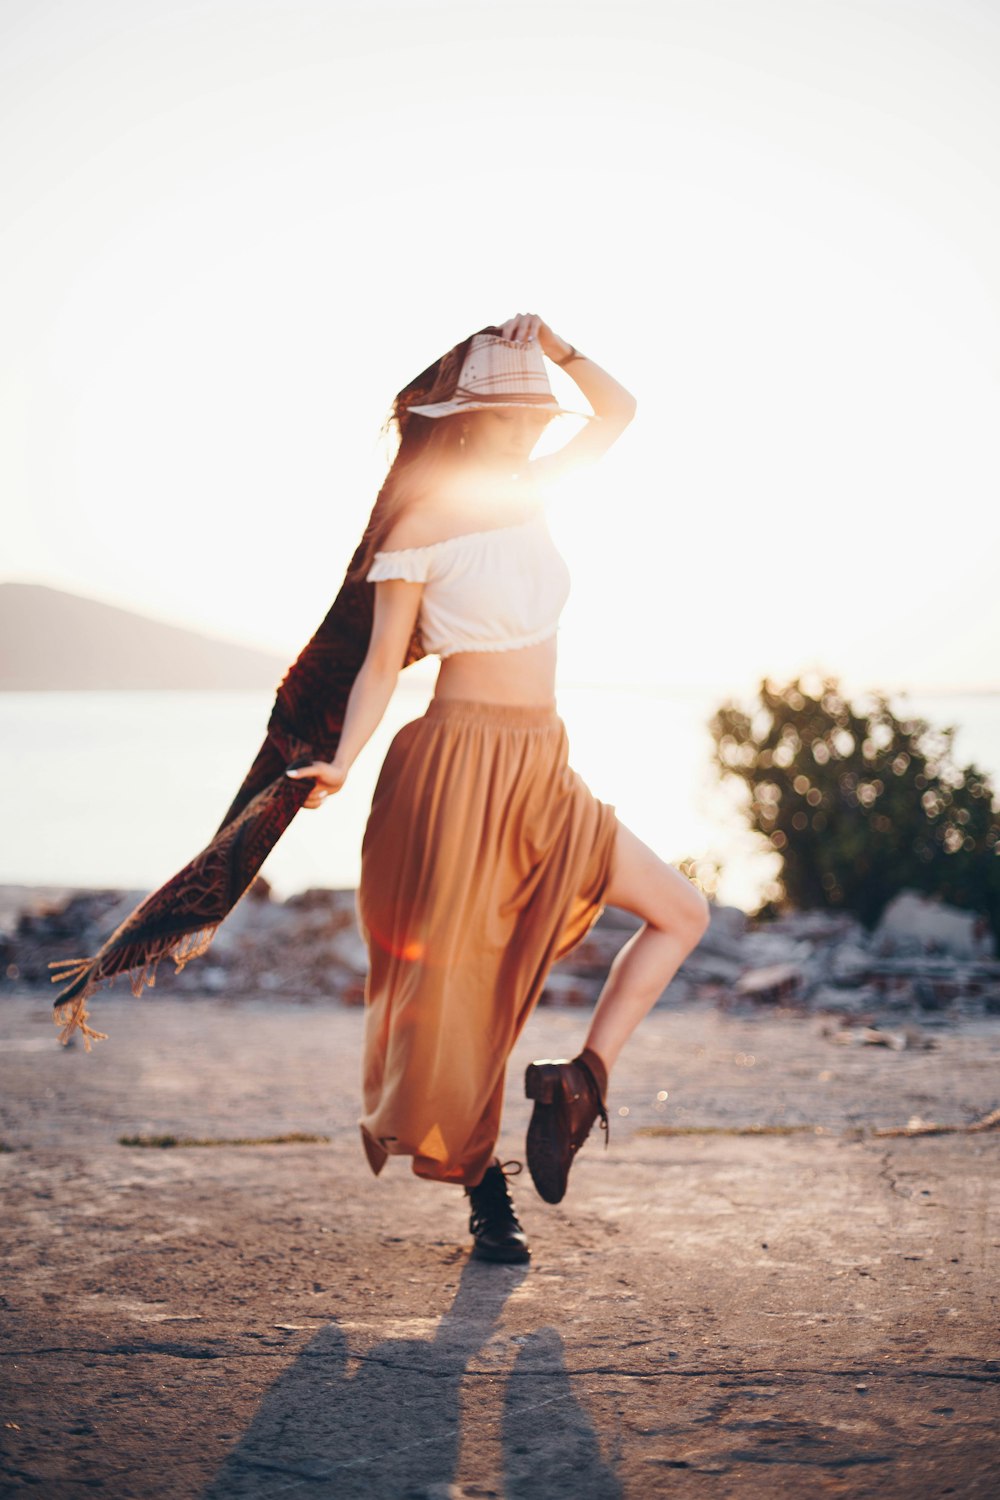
(614, 406)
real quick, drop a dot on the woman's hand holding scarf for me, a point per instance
(328, 778)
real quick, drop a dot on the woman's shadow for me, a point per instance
(385, 1425)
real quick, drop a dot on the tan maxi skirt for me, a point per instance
(484, 860)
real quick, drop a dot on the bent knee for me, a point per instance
(678, 907)
(686, 913)
(643, 883)
(702, 918)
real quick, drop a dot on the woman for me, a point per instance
(486, 857)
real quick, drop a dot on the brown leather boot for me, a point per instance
(568, 1099)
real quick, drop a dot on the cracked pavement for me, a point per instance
(705, 1314)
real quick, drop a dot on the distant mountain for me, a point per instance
(53, 641)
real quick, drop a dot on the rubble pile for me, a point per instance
(55, 927)
(923, 957)
(307, 947)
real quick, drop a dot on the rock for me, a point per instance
(906, 1038)
(591, 958)
(849, 962)
(726, 932)
(762, 946)
(353, 993)
(771, 986)
(347, 949)
(322, 899)
(870, 1036)
(915, 923)
(618, 919)
(820, 926)
(930, 995)
(250, 923)
(853, 999)
(567, 989)
(702, 967)
(917, 1040)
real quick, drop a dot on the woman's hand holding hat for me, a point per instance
(523, 328)
(527, 328)
(327, 777)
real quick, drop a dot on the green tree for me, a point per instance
(859, 803)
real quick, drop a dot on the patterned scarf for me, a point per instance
(180, 919)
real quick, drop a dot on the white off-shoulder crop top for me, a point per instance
(492, 590)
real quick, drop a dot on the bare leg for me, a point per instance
(675, 915)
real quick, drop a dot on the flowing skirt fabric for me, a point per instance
(484, 860)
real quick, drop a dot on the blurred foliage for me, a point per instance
(703, 872)
(859, 803)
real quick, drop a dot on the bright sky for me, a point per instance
(230, 231)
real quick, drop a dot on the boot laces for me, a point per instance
(601, 1108)
(490, 1199)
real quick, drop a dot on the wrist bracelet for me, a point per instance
(573, 354)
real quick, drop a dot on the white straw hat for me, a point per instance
(499, 372)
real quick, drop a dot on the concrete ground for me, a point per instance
(707, 1314)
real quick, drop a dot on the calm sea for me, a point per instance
(121, 789)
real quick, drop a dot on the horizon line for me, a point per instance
(734, 687)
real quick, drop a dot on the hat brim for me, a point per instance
(451, 408)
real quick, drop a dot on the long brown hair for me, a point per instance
(426, 446)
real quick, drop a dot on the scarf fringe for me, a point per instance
(73, 1017)
(73, 1014)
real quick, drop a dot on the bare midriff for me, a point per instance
(526, 675)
